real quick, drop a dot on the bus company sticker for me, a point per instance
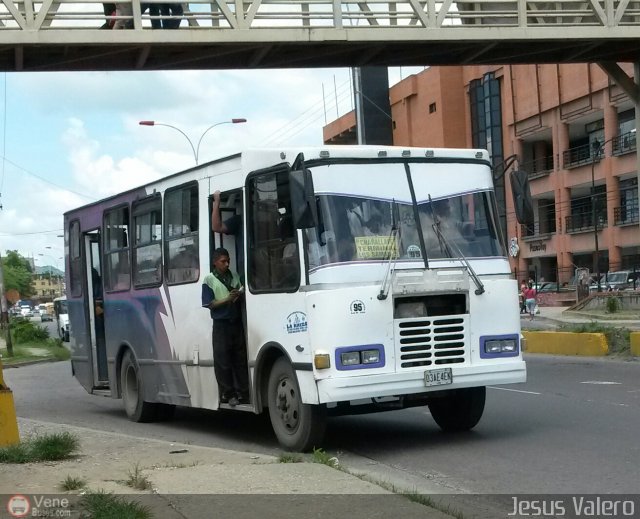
(297, 322)
(357, 307)
(413, 251)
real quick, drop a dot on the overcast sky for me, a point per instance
(72, 138)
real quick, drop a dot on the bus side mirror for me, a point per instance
(522, 201)
(303, 199)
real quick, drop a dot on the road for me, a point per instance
(572, 428)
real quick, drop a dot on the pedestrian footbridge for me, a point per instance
(214, 34)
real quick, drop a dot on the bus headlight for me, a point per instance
(350, 358)
(370, 356)
(367, 356)
(499, 346)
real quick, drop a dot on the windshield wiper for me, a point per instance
(445, 247)
(393, 240)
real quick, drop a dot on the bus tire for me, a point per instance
(133, 391)
(459, 411)
(299, 427)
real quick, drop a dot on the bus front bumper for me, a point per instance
(409, 382)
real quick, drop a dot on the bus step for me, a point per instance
(239, 407)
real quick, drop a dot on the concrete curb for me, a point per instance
(635, 343)
(566, 343)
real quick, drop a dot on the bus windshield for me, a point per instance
(360, 229)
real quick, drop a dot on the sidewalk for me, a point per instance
(187, 480)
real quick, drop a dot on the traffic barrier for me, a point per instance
(8, 423)
(567, 343)
(635, 343)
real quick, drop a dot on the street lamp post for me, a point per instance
(194, 149)
(597, 149)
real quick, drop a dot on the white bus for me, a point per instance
(376, 279)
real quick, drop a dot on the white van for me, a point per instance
(61, 317)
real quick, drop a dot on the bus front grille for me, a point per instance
(431, 341)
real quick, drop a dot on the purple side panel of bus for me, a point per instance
(132, 319)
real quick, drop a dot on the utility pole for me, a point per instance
(4, 317)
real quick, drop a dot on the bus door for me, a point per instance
(96, 310)
(233, 237)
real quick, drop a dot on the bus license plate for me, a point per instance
(438, 377)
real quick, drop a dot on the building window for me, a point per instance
(582, 209)
(486, 130)
(182, 254)
(628, 210)
(432, 108)
(147, 242)
(547, 214)
(117, 272)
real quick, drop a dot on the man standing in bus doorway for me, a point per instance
(222, 294)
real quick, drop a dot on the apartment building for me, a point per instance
(568, 126)
(47, 287)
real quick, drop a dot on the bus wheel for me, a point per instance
(133, 391)
(459, 411)
(298, 427)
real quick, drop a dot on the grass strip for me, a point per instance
(100, 505)
(46, 447)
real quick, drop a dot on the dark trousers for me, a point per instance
(230, 357)
(164, 10)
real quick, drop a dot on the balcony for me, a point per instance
(581, 222)
(539, 167)
(625, 143)
(625, 215)
(578, 156)
(538, 230)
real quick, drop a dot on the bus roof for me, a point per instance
(256, 158)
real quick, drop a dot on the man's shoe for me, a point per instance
(224, 399)
(233, 401)
(244, 399)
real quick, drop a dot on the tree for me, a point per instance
(17, 274)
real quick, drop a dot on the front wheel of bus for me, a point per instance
(133, 391)
(298, 427)
(459, 411)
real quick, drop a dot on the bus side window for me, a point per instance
(181, 252)
(117, 267)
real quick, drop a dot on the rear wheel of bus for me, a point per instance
(461, 410)
(298, 426)
(133, 391)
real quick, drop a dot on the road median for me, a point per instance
(566, 343)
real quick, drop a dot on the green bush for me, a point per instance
(23, 330)
(613, 305)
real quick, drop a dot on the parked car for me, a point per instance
(44, 316)
(616, 281)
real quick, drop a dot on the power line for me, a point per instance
(306, 118)
(45, 180)
(29, 233)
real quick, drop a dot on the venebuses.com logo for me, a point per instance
(18, 506)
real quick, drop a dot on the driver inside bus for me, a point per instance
(222, 294)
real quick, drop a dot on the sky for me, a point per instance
(71, 138)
